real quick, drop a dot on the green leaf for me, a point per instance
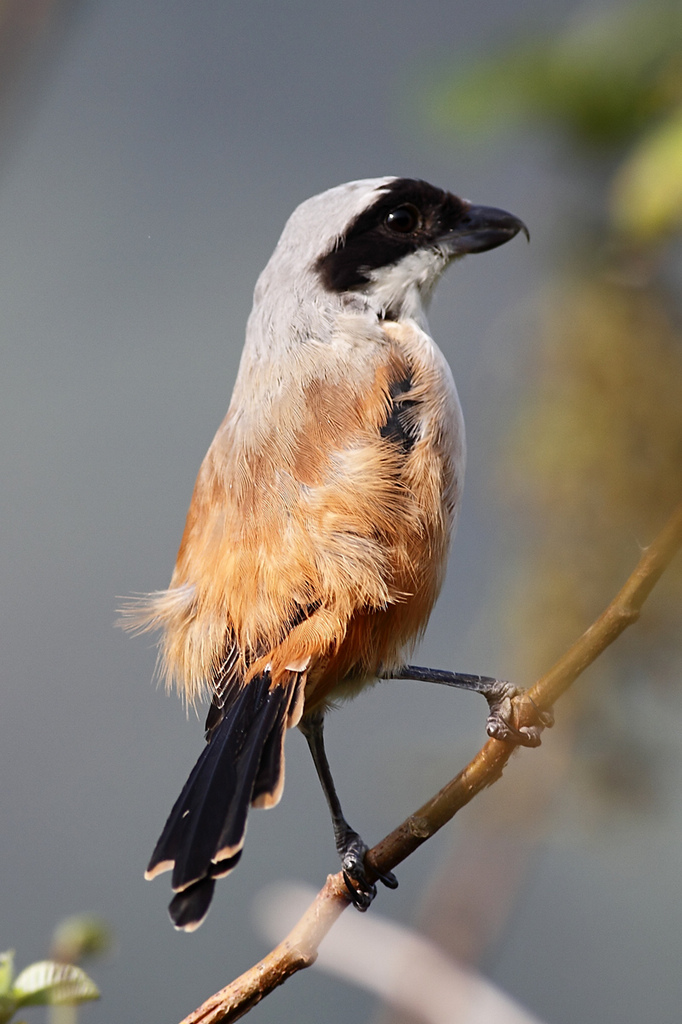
(49, 982)
(6, 971)
(646, 199)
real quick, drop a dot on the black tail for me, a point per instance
(241, 765)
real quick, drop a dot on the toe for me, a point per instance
(388, 879)
(361, 894)
(516, 719)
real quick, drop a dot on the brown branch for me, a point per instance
(299, 948)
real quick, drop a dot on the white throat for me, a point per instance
(403, 289)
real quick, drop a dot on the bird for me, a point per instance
(319, 528)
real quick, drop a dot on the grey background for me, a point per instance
(162, 155)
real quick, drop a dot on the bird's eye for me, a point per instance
(403, 219)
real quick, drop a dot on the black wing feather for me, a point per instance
(401, 426)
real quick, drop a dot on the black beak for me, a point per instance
(481, 228)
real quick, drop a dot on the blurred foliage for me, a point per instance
(76, 938)
(45, 983)
(594, 462)
(597, 454)
(646, 195)
(601, 81)
(57, 983)
(79, 937)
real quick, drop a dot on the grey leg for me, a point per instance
(349, 844)
(497, 692)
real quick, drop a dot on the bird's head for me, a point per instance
(381, 242)
(395, 249)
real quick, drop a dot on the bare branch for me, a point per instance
(299, 948)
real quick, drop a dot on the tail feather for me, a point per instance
(242, 764)
(188, 908)
(178, 835)
(163, 857)
(267, 789)
(231, 836)
(218, 798)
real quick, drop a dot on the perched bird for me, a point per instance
(319, 527)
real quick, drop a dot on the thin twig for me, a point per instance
(299, 948)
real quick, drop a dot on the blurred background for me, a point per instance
(149, 156)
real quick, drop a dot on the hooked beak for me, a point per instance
(481, 228)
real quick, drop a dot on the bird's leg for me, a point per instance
(499, 694)
(349, 844)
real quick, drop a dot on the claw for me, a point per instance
(363, 891)
(501, 725)
(359, 897)
(360, 889)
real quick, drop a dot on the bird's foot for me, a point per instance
(352, 851)
(514, 717)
